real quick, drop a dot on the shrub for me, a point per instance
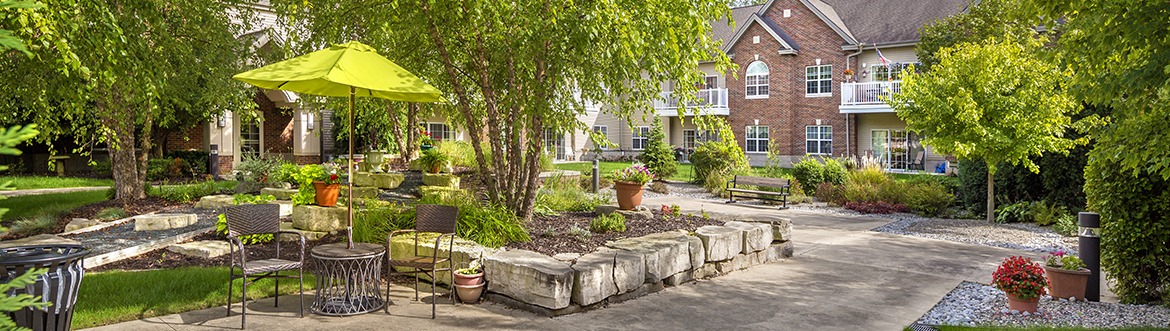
(197, 161)
(109, 214)
(185, 192)
(158, 169)
(606, 223)
(878, 207)
(657, 155)
(928, 198)
(1135, 210)
(869, 175)
(374, 222)
(1013, 213)
(102, 168)
(723, 156)
(244, 198)
(433, 160)
(285, 173)
(487, 225)
(716, 181)
(1066, 225)
(827, 192)
(1046, 213)
(255, 169)
(546, 162)
(834, 172)
(659, 187)
(568, 198)
(461, 153)
(809, 172)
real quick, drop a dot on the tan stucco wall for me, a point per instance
(889, 121)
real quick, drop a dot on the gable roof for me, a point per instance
(723, 30)
(788, 46)
(891, 21)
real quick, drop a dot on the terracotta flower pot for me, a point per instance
(1067, 283)
(629, 195)
(1015, 303)
(326, 194)
(469, 293)
(461, 279)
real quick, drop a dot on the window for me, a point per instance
(818, 139)
(440, 131)
(603, 131)
(554, 144)
(641, 137)
(250, 139)
(692, 138)
(756, 80)
(709, 83)
(891, 72)
(756, 139)
(818, 80)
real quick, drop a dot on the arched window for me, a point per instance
(757, 80)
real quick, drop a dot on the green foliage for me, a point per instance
(109, 214)
(546, 162)
(285, 173)
(985, 19)
(184, 192)
(377, 219)
(222, 229)
(484, 224)
(635, 174)
(1066, 225)
(721, 157)
(433, 160)
(1135, 214)
(612, 222)
(811, 173)
(1046, 213)
(13, 302)
(559, 194)
(996, 101)
(306, 193)
(1013, 213)
(657, 155)
(460, 153)
(159, 169)
(716, 181)
(197, 161)
(255, 169)
(928, 198)
(244, 198)
(34, 225)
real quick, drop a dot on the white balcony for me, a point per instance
(709, 102)
(868, 97)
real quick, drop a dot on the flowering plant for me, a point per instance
(635, 174)
(1018, 276)
(1063, 260)
(848, 71)
(425, 138)
(334, 172)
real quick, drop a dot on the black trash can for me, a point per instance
(58, 285)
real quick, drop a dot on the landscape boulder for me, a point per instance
(215, 202)
(446, 180)
(317, 218)
(463, 252)
(664, 254)
(155, 222)
(639, 213)
(279, 193)
(593, 277)
(756, 236)
(360, 192)
(203, 249)
(80, 223)
(721, 243)
(530, 277)
(781, 227)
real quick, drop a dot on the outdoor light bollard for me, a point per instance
(1089, 240)
(596, 176)
(214, 161)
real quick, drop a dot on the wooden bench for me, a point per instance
(782, 184)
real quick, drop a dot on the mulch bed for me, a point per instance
(135, 207)
(550, 234)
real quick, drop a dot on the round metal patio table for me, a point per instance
(347, 279)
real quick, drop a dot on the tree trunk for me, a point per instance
(120, 138)
(990, 195)
(396, 130)
(412, 138)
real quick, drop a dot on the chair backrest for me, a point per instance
(244, 220)
(436, 218)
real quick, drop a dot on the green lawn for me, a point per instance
(54, 205)
(1035, 328)
(685, 171)
(35, 182)
(118, 296)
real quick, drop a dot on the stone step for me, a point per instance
(279, 193)
(154, 222)
(317, 218)
(215, 202)
(203, 249)
(309, 235)
(81, 223)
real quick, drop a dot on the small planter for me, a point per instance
(469, 287)
(1030, 306)
(425, 148)
(629, 195)
(1066, 284)
(326, 194)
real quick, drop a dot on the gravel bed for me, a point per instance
(1021, 236)
(406, 191)
(972, 304)
(684, 190)
(123, 235)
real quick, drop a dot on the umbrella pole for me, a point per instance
(349, 200)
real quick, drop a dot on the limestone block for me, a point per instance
(778, 251)
(706, 271)
(154, 222)
(279, 193)
(756, 236)
(364, 179)
(444, 192)
(781, 227)
(739, 262)
(664, 253)
(80, 223)
(530, 277)
(697, 252)
(203, 249)
(286, 207)
(639, 213)
(720, 243)
(567, 257)
(463, 251)
(317, 218)
(360, 192)
(447, 180)
(680, 278)
(40, 239)
(215, 202)
(309, 235)
(389, 180)
(629, 269)
(593, 278)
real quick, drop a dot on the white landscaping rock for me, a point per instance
(215, 202)
(593, 277)
(756, 236)
(639, 212)
(721, 243)
(203, 249)
(154, 222)
(530, 277)
(697, 252)
(286, 207)
(80, 223)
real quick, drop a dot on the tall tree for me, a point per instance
(982, 20)
(998, 102)
(140, 65)
(513, 69)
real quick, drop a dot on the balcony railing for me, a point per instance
(868, 93)
(711, 98)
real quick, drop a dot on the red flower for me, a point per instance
(333, 177)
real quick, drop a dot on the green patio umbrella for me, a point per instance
(352, 69)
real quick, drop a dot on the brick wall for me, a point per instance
(278, 126)
(225, 166)
(787, 110)
(192, 138)
(307, 159)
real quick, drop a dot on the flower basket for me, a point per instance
(1022, 280)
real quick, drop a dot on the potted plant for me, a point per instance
(628, 183)
(848, 75)
(1022, 281)
(1067, 275)
(428, 142)
(469, 282)
(432, 160)
(328, 185)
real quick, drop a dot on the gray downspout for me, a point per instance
(848, 137)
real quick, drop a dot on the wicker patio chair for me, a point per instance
(434, 219)
(246, 220)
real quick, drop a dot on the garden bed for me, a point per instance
(123, 235)
(553, 235)
(972, 304)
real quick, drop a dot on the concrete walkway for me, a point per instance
(39, 191)
(843, 277)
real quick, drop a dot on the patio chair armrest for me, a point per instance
(438, 242)
(300, 236)
(239, 246)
